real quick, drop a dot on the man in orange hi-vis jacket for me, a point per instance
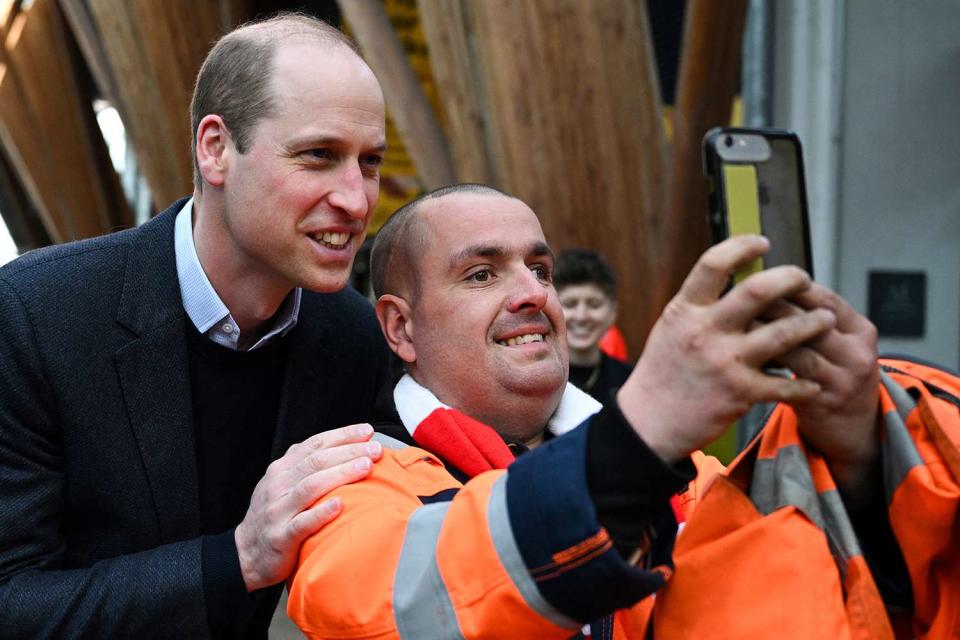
(444, 541)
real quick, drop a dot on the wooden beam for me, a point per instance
(154, 51)
(447, 28)
(21, 219)
(574, 121)
(49, 132)
(709, 70)
(408, 105)
(91, 45)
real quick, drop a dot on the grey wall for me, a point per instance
(899, 181)
(873, 89)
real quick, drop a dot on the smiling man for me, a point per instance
(162, 389)
(443, 540)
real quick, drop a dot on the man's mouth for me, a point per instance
(518, 340)
(332, 239)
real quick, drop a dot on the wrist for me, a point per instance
(661, 441)
(251, 578)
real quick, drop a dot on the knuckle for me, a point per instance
(319, 441)
(717, 363)
(316, 461)
(274, 468)
(712, 262)
(754, 289)
(307, 488)
(273, 512)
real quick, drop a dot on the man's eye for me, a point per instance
(320, 154)
(542, 272)
(483, 275)
(372, 160)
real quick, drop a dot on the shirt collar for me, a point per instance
(203, 306)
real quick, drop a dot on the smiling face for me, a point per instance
(297, 203)
(589, 312)
(485, 324)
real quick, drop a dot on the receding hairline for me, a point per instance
(281, 28)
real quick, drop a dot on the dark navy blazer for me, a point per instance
(99, 516)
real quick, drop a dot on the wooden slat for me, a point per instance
(154, 51)
(17, 128)
(21, 219)
(574, 122)
(446, 26)
(408, 104)
(51, 136)
(709, 69)
(81, 24)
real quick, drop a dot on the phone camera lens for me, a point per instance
(728, 140)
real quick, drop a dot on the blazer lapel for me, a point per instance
(154, 375)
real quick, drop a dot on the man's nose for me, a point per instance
(530, 294)
(348, 193)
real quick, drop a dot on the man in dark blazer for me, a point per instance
(148, 378)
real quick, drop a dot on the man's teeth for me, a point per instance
(332, 238)
(524, 339)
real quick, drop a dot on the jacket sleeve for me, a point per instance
(514, 554)
(156, 593)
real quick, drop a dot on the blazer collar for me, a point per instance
(151, 291)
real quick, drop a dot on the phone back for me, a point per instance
(757, 186)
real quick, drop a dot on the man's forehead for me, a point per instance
(468, 225)
(308, 65)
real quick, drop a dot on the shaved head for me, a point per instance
(401, 240)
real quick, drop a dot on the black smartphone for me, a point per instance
(757, 186)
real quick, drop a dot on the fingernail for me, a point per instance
(373, 448)
(362, 430)
(362, 464)
(331, 505)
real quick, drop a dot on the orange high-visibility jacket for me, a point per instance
(391, 566)
(771, 551)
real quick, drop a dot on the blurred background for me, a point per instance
(592, 111)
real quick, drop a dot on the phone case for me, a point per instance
(741, 193)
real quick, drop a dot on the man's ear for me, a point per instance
(213, 140)
(393, 312)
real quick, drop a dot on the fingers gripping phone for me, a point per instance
(757, 186)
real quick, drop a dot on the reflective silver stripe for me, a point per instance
(900, 454)
(785, 480)
(421, 604)
(506, 545)
(839, 530)
(901, 398)
(388, 442)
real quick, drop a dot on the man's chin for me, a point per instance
(326, 282)
(545, 382)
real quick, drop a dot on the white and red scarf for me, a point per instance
(468, 444)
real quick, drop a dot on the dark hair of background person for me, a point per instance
(584, 266)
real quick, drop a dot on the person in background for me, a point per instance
(587, 287)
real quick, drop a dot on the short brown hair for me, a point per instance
(399, 242)
(234, 80)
